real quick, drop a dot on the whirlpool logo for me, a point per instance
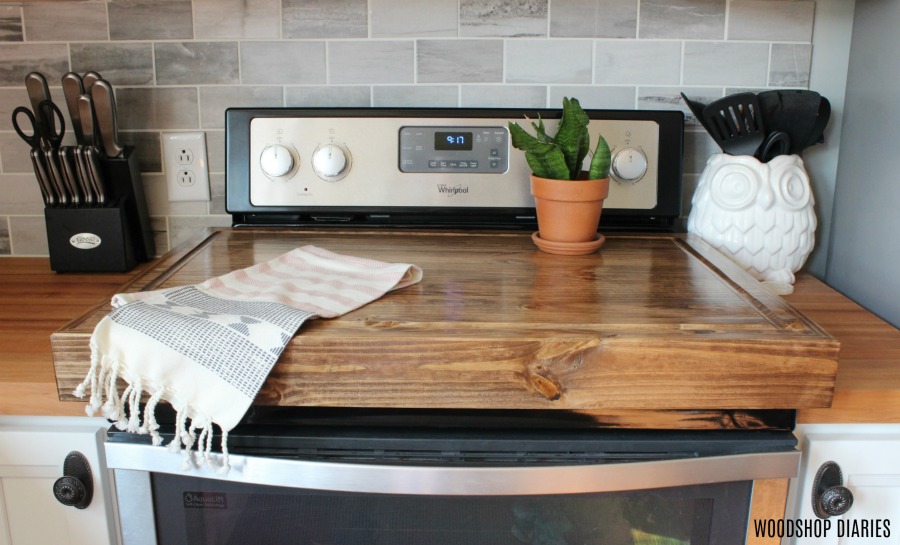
(205, 500)
(452, 190)
(85, 241)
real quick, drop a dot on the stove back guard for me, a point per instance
(659, 136)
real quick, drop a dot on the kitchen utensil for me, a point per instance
(800, 113)
(38, 92)
(697, 110)
(89, 79)
(817, 134)
(735, 123)
(89, 150)
(105, 110)
(44, 141)
(32, 137)
(72, 89)
(59, 169)
(776, 143)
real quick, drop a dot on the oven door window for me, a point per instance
(204, 511)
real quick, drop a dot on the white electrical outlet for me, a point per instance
(187, 170)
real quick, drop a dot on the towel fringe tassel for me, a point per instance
(125, 413)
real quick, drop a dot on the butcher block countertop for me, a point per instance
(648, 325)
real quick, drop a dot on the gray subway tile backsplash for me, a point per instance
(150, 19)
(683, 19)
(310, 96)
(10, 31)
(65, 22)
(594, 19)
(376, 61)
(324, 19)
(771, 21)
(178, 64)
(18, 59)
(649, 62)
(459, 61)
(283, 63)
(512, 18)
(422, 18)
(789, 65)
(122, 63)
(142, 108)
(548, 61)
(233, 19)
(184, 63)
(729, 63)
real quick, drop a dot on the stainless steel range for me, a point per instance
(291, 166)
(444, 476)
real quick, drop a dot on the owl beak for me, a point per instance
(766, 197)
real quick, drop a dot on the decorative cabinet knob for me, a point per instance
(76, 487)
(830, 497)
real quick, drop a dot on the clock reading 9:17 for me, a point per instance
(452, 141)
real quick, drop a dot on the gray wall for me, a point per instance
(177, 64)
(864, 255)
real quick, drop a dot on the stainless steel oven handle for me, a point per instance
(467, 481)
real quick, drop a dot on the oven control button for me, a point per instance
(629, 165)
(331, 162)
(276, 161)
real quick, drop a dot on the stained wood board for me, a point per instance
(648, 323)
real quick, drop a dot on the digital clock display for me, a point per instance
(453, 141)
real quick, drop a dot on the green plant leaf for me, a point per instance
(541, 131)
(547, 161)
(572, 136)
(600, 162)
(521, 139)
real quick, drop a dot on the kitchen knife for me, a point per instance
(38, 92)
(105, 110)
(72, 89)
(88, 81)
(48, 192)
(89, 151)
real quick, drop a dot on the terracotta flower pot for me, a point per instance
(568, 213)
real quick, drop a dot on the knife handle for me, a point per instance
(72, 89)
(86, 113)
(105, 112)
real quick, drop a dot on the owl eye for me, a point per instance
(734, 186)
(792, 185)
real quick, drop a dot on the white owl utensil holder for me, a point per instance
(760, 215)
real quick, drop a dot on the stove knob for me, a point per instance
(330, 162)
(629, 165)
(276, 160)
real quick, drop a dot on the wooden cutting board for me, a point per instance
(650, 322)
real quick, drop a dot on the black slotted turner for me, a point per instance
(735, 123)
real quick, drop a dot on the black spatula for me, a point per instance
(735, 123)
(696, 109)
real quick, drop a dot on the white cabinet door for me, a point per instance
(32, 452)
(869, 458)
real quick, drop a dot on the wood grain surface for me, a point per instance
(655, 323)
(34, 302)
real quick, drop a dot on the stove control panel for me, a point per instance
(383, 162)
(460, 149)
(287, 162)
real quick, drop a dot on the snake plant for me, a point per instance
(561, 157)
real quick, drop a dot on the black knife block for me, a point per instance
(90, 239)
(110, 238)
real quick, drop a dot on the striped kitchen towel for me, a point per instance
(208, 348)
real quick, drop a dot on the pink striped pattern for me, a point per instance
(311, 279)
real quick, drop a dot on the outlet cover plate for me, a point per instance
(187, 167)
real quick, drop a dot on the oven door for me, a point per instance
(632, 490)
